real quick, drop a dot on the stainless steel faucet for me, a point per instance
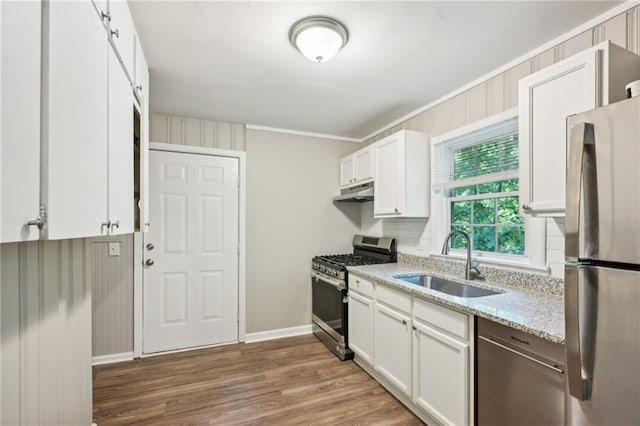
(470, 271)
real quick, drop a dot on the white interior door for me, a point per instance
(191, 290)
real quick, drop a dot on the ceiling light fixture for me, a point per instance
(318, 38)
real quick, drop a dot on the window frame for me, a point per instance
(535, 228)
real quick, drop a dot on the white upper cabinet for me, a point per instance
(363, 161)
(20, 44)
(120, 164)
(401, 175)
(347, 171)
(75, 106)
(66, 124)
(357, 168)
(582, 82)
(122, 34)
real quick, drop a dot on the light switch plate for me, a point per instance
(114, 249)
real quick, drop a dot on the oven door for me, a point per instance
(329, 310)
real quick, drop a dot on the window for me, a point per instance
(476, 177)
(487, 211)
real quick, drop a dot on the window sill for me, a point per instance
(523, 265)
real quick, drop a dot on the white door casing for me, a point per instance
(191, 291)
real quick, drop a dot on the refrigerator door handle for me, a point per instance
(579, 334)
(581, 139)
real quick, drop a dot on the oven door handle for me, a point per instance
(340, 285)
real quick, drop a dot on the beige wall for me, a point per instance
(45, 351)
(290, 218)
(495, 95)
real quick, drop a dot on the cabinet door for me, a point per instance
(142, 88)
(363, 164)
(20, 25)
(120, 149)
(101, 7)
(75, 146)
(347, 171)
(546, 99)
(122, 33)
(392, 342)
(441, 375)
(361, 326)
(388, 190)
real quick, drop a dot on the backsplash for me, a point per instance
(527, 281)
(415, 233)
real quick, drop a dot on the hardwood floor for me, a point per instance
(286, 381)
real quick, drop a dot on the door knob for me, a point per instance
(150, 246)
(149, 262)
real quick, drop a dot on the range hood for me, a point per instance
(356, 194)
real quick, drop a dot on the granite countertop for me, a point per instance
(538, 313)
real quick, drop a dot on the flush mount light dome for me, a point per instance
(318, 38)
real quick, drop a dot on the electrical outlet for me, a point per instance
(114, 249)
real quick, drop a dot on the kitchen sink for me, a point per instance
(445, 286)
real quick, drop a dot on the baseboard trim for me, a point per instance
(111, 358)
(278, 333)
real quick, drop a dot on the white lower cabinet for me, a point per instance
(421, 351)
(441, 375)
(393, 346)
(361, 326)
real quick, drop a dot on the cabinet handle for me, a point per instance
(105, 15)
(103, 225)
(149, 262)
(150, 246)
(404, 322)
(115, 224)
(414, 327)
(526, 207)
(395, 210)
(41, 220)
(139, 87)
(116, 33)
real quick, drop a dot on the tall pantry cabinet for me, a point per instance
(67, 137)
(19, 119)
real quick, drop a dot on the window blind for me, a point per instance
(481, 156)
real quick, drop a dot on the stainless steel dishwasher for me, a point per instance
(519, 378)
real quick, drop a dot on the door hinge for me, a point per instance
(238, 317)
(238, 249)
(238, 181)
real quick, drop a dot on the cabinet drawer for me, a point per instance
(360, 285)
(395, 298)
(453, 322)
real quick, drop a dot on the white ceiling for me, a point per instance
(232, 61)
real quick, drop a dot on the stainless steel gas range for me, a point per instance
(330, 284)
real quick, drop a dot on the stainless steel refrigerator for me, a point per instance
(602, 270)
